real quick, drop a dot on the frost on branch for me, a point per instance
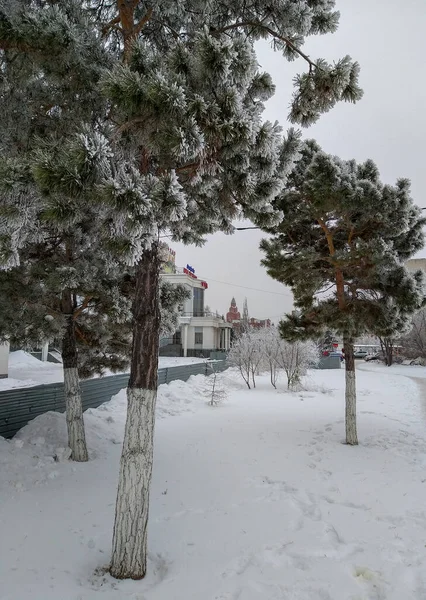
(265, 350)
(246, 355)
(295, 358)
(215, 391)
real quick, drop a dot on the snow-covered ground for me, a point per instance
(26, 370)
(416, 371)
(175, 361)
(256, 499)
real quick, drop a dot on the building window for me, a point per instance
(198, 336)
(198, 305)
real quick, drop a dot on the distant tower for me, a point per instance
(233, 314)
(245, 321)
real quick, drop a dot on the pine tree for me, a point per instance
(30, 312)
(190, 154)
(188, 99)
(47, 56)
(327, 340)
(342, 248)
(61, 281)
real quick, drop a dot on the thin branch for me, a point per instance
(340, 288)
(82, 336)
(82, 307)
(327, 289)
(50, 310)
(110, 25)
(126, 344)
(5, 45)
(128, 125)
(188, 167)
(174, 33)
(143, 21)
(271, 32)
(244, 228)
(328, 235)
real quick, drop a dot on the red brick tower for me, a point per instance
(233, 314)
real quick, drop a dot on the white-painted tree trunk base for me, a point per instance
(74, 416)
(351, 431)
(4, 359)
(129, 546)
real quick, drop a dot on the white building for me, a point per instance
(416, 264)
(200, 332)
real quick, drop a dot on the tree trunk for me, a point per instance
(351, 432)
(288, 373)
(72, 390)
(213, 396)
(253, 378)
(129, 546)
(273, 376)
(390, 354)
(246, 376)
(387, 349)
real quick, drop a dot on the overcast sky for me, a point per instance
(387, 38)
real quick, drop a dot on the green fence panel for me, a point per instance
(18, 406)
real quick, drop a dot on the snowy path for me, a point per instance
(414, 373)
(255, 500)
(421, 383)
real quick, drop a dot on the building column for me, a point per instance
(185, 340)
(4, 359)
(227, 330)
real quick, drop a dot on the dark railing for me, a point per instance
(203, 313)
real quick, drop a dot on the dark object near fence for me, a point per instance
(20, 405)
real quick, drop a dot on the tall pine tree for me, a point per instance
(190, 154)
(341, 247)
(187, 100)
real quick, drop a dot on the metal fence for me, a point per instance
(332, 361)
(20, 405)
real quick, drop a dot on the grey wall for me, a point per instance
(18, 406)
(330, 362)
